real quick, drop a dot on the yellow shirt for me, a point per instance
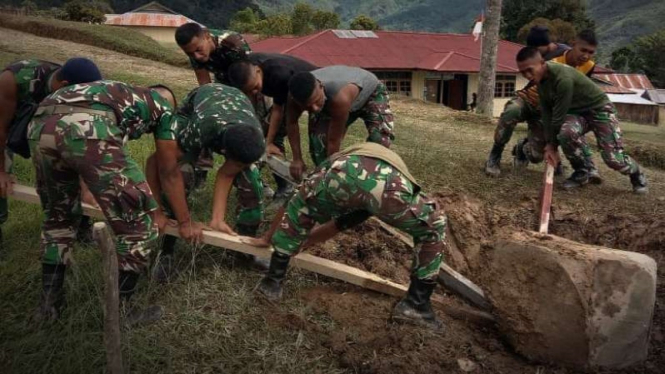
(585, 68)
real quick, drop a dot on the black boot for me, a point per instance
(163, 269)
(559, 169)
(133, 315)
(270, 286)
(594, 174)
(520, 160)
(578, 179)
(284, 188)
(416, 307)
(84, 233)
(53, 293)
(639, 182)
(493, 164)
(261, 264)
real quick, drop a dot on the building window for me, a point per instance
(505, 86)
(397, 82)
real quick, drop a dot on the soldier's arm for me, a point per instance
(8, 102)
(562, 99)
(293, 113)
(339, 114)
(276, 115)
(202, 76)
(223, 183)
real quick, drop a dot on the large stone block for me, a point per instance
(566, 303)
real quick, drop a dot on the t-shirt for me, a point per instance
(32, 79)
(204, 116)
(586, 68)
(560, 50)
(566, 91)
(277, 71)
(336, 77)
(231, 47)
(137, 111)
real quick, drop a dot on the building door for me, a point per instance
(456, 94)
(433, 88)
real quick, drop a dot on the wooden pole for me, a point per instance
(546, 199)
(490, 42)
(111, 298)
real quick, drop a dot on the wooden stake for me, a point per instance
(546, 199)
(111, 298)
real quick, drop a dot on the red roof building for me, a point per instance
(441, 68)
(152, 19)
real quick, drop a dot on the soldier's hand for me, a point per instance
(191, 231)
(273, 150)
(6, 184)
(552, 155)
(222, 226)
(261, 242)
(161, 220)
(297, 169)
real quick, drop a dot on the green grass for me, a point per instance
(117, 39)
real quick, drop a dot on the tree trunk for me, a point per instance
(490, 40)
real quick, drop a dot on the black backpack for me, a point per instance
(17, 138)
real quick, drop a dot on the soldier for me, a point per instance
(211, 51)
(572, 105)
(525, 106)
(220, 119)
(335, 97)
(269, 74)
(80, 131)
(23, 85)
(363, 180)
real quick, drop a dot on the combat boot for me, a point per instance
(133, 315)
(270, 286)
(578, 179)
(558, 170)
(258, 263)
(284, 188)
(53, 293)
(594, 174)
(164, 268)
(520, 161)
(493, 164)
(416, 307)
(84, 232)
(639, 182)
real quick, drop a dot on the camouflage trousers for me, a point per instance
(378, 120)
(4, 208)
(605, 126)
(60, 156)
(516, 110)
(249, 210)
(358, 183)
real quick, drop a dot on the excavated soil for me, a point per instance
(366, 343)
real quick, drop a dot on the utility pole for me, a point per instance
(490, 43)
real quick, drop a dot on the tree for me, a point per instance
(29, 7)
(362, 22)
(322, 20)
(560, 31)
(490, 41)
(301, 19)
(649, 51)
(82, 11)
(517, 13)
(624, 60)
(245, 21)
(275, 25)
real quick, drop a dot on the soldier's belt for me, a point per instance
(67, 109)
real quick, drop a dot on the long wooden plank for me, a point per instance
(546, 199)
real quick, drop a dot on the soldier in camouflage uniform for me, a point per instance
(346, 189)
(81, 131)
(24, 84)
(216, 119)
(335, 97)
(572, 105)
(525, 107)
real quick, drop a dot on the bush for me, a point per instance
(113, 38)
(80, 11)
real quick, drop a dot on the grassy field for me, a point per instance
(212, 321)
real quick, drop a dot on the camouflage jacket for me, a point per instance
(32, 79)
(137, 111)
(231, 47)
(204, 116)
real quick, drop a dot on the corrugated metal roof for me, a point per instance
(629, 99)
(146, 19)
(657, 96)
(395, 50)
(637, 81)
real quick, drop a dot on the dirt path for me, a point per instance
(22, 44)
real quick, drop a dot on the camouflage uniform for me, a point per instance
(352, 183)
(231, 47)
(32, 82)
(81, 131)
(378, 120)
(201, 123)
(604, 124)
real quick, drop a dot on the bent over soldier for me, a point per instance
(81, 131)
(362, 181)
